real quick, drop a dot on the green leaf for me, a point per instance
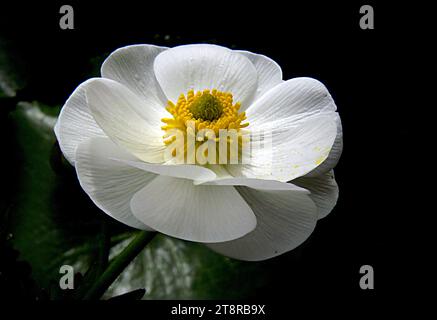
(174, 269)
(51, 221)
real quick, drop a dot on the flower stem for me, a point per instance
(118, 264)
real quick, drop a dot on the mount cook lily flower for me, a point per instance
(112, 129)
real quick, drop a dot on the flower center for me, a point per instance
(210, 111)
(206, 107)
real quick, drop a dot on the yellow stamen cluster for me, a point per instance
(229, 118)
(207, 109)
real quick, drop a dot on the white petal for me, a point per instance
(285, 219)
(291, 100)
(269, 73)
(334, 154)
(76, 123)
(110, 184)
(324, 191)
(286, 150)
(259, 184)
(293, 128)
(204, 66)
(185, 171)
(131, 122)
(133, 67)
(180, 209)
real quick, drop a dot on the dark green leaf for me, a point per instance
(175, 269)
(51, 221)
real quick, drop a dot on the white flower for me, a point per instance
(110, 130)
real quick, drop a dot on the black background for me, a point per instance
(366, 71)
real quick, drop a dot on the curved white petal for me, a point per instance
(293, 128)
(75, 123)
(334, 154)
(132, 66)
(285, 219)
(180, 209)
(260, 184)
(130, 121)
(204, 66)
(291, 100)
(184, 171)
(269, 73)
(324, 191)
(110, 184)
(284, 150)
